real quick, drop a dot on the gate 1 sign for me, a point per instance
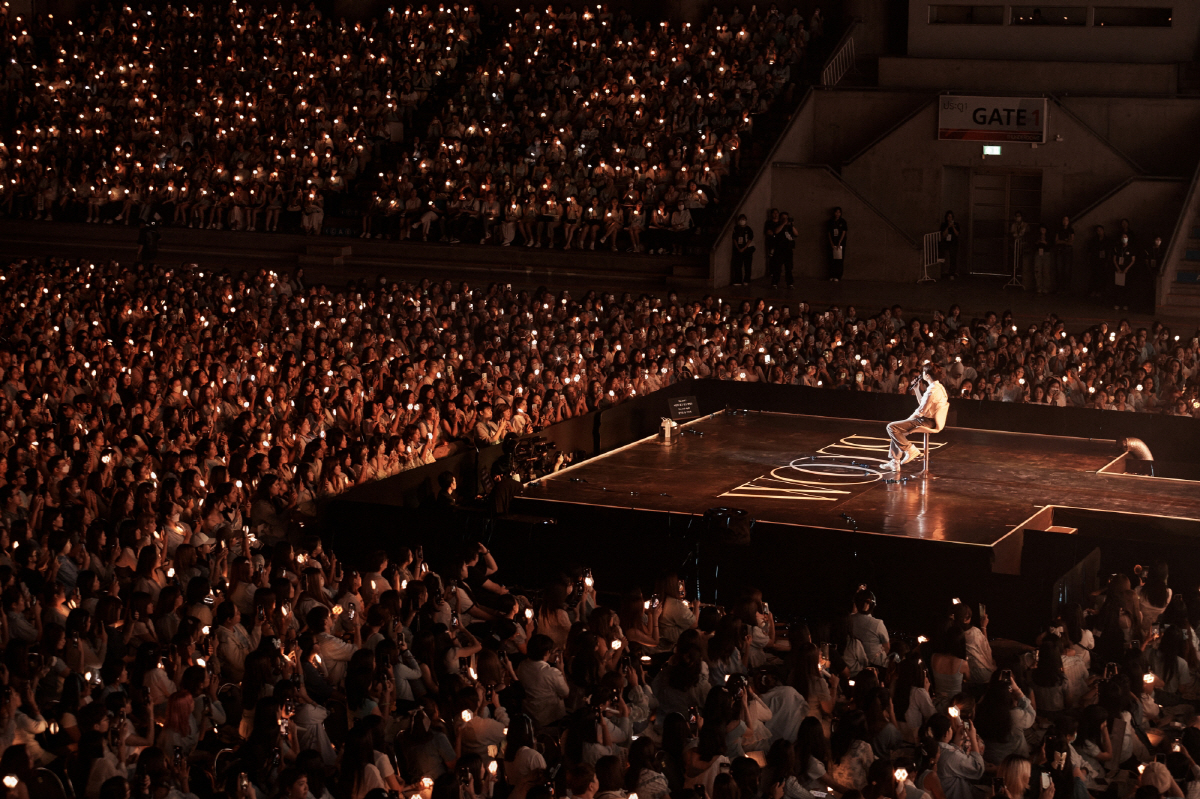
(998, 119)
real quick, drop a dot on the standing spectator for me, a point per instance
(785, 250)
(1099, 250)
(1127, 232)
(771, 240)
(743, 252)
(835, 230)
(1124, 260)
(1064, 258)
(148, 237)
(950, 237)
(681, 226)
(1043, 262)
(1018, 233)
(1152, 264)
(868, 630)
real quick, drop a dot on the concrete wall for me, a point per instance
(871, 32)
(1148, 130)
(903, 174)
(1089, 42)
(797, 142)
(892, 170)
(851, 119)
(1150, 205)
(875, 249)
(971, 73)
(1188, 218)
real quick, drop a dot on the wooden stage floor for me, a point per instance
(819, 472)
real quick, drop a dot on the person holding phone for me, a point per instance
(1003, 715)
(960, 762)
(1157, 774)
(335, 652)
(949, 244)
(978, 649)
(835, 231)
(540, 674)
(1013, 778)
(677, 615)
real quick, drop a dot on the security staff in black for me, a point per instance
(743, 252)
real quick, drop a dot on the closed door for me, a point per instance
(996, 197)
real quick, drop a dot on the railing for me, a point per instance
(1177, 246)
(846, 187)
(931, 244)
(842, 60)
(763, 168)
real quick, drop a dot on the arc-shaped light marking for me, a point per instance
(825, 476)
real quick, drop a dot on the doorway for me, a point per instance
(996, 195)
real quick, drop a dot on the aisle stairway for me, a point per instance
(1179, 292)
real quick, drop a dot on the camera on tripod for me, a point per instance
(530, 457)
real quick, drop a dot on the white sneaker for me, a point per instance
(910, 454)
(890, 466)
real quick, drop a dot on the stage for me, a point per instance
(824, 474)
(1028, 507)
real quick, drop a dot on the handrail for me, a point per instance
(1179, 237)
(762, 169)
(1120, 187)
(903, 121)
(931, 244)
(1107, 143)
(846, 42)
(847, 187)
(843, 61)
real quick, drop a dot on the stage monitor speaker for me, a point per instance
(729, 525)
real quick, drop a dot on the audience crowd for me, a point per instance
(565, 128)
(112, 374)
(172, 628)
(158, 642)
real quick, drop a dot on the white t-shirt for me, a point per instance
(520, 771)
(371, 780)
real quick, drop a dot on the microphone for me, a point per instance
(916, 380)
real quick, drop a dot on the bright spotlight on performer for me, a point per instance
(931, 401)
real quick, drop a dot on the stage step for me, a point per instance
(1191, 302)
(1187, 277)
(308, 261)
(325, 255)
(329, 250)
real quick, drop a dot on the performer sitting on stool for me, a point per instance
(902, 450)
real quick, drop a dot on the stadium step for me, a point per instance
(318, 255)
(1188, 277)
(1184, 296)
(329, 250)
(332, 259)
